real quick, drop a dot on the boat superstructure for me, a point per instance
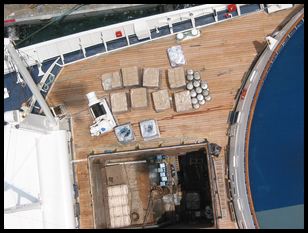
(84, 45)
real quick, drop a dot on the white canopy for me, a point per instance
(38, 189)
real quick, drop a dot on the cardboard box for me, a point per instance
(116, 80)
(176, 77)
(111, 81)
(130, 76)
(151, 77)
(115, 174)
(107, 81)
(139, 98)
(119, 102)
(161, 100)
(182, 101)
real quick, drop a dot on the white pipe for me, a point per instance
(128, 162)
(25, 207)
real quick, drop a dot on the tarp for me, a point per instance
(37, 170)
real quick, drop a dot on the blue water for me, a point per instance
(276, 146)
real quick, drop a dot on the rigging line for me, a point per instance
(11, 66)
(7, 59)
(24, 59)
(51, 22)
(29, 56)
(77, 113)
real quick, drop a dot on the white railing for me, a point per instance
(237, 141)
(79, 41)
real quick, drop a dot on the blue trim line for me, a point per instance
(180, 26)
(118, 43)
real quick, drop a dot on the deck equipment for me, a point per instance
(103, 119)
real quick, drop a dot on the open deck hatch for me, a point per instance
(160, 187)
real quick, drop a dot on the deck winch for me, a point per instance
(103, 119)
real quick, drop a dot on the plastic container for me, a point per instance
(176, 56)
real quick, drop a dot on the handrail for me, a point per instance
(41, 84)
(253, 105)
(238, 143)
(100, 36)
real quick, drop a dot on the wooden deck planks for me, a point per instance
(223, 54)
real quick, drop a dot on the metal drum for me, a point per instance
(208, 98)
(200, 97)
(194, 100)
(199, 90)
(193, 93)
(190, 72)
(205, 93)
(189, 86)
(196, 106)
(189, 77)
(196, 83)
(201, 102)
(197, 75)
(204, 85)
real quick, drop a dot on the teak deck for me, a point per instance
(223, 53)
